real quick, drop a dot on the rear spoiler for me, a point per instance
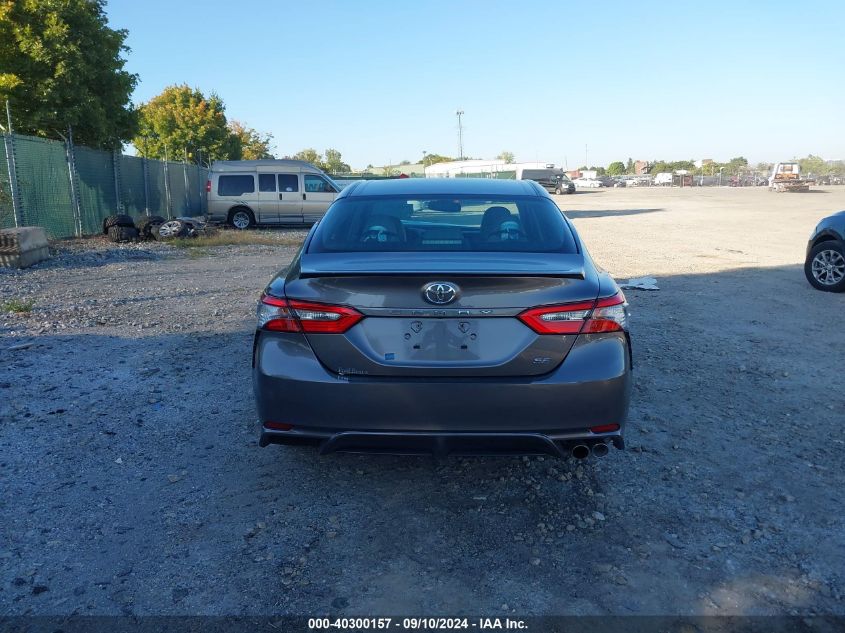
(440, 263)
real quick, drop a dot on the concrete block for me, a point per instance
(23, 246)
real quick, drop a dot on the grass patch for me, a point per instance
(237, 238)
(16, 305)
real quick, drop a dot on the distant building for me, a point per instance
(641, 167)
(484, 169)
(395, 170)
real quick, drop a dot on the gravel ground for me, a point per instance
(131, 480)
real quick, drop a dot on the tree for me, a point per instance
(661, 166)
(61, 65)
(432, 159)
(629, 166)
(183, 119)
(309, 155)
(249, 144)
(334, 163)
(813, 165)
(506, 156)
(616, 168)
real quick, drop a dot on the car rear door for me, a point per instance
(268, 200)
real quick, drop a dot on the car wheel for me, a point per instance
(825, 267)
(558, 191)
(119, 234)
(116, 220)
(170, 230)
(146, 223)
(241, 219)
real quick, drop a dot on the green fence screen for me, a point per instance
(43, 184)
(7, 218)
(133, 195)
(69, 193)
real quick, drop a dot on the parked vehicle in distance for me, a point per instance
(443, 315)
(552, 180)
(786, 177)
(663, 179)
(243, 193)
(589, 183)
(824, 265)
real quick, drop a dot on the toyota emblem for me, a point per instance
(440, 292)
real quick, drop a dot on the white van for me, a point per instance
(244, 193)
(663, 179)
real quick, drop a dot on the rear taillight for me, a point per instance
(609, 315)
(291, 315)
(208, 186)
(274, 314)
(604, 315)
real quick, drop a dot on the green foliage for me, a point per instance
(17, 305)
(629, 166)
(183, 118)
(616, 168)
(661, 166)
(508, 157)
(600, 171)
(333, 163)
(61, 65)
(432, 159)
(248, 143)
(818, 166)
(309, 155)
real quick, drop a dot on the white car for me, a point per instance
(591, 183)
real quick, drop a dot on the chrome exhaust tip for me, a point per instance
(600, 449)
(580, 451)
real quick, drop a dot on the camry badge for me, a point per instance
(440, 292)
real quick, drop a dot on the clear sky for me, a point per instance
(381, 81)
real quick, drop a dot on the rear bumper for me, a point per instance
(441, 444)
(590, 388)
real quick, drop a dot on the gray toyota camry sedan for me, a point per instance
(444, 316)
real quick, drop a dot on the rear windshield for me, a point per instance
(443, 223)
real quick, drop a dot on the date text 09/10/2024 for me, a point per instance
(425, 624)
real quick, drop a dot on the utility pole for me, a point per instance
(460, 113)
(586, 162)
(11, 164)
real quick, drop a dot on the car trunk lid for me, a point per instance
(476, 334)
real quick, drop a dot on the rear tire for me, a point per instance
(118, 234)
(145, 225)
(116, 220)
(170, 230)
(825, 266)
(558, 191)
(241, 219)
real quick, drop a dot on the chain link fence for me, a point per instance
(70, 189)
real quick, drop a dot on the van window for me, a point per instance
(288, 182)
(266, 182)
(235, 185)
(317, 184)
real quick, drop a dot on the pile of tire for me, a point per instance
(122, 228)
